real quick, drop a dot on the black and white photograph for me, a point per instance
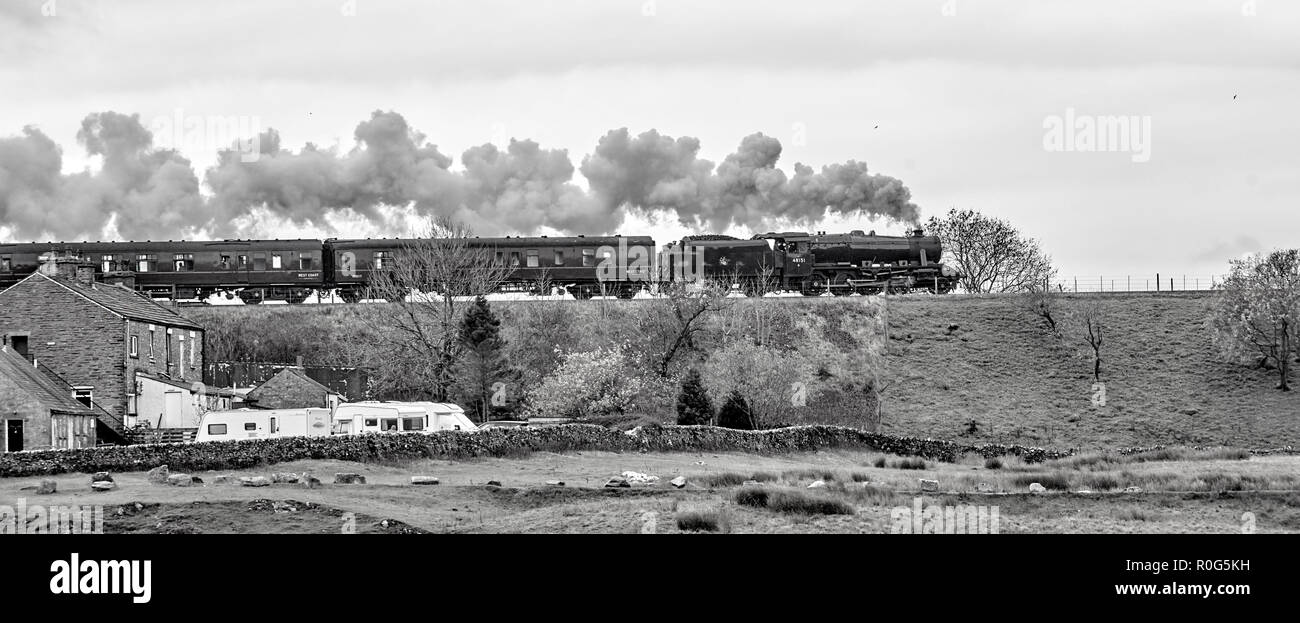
(650, 267)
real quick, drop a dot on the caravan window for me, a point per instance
(371, 422)
(413, 423)
(250, 425)
(390, 424)
(216, 429)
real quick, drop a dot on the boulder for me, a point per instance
(285, 478)
(180, 480)
(929, 485)
(158, 475)
(309, 482)
(750, 483)
(224, 479)
(494, 483)
(637, 478)
(47, 487)
(101, 477)
(555, 483)
(1132, 490)
(1037, 488)
(103, 485)
(254, 481)
(345, 478)
(424, 480)
(817, 484)
(678, 482)
(616, 483)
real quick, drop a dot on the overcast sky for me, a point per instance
(956, 99)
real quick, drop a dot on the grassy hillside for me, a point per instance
(999, 366)
(1003, 369)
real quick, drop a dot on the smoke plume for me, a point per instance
(142, 192)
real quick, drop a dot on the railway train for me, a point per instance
(584, 266)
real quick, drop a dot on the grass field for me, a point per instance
(1182, 491)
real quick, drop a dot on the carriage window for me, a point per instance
(559, 258)
(6, 264)
(106, 263)
(224, 262)
(146, 263)
(183, 261)
(305, 261)
(243, 261)
(501, 257)
(275, 260)
(216, 429)
(514, 258)
(383, 259)
(532, 258)
(588, 257)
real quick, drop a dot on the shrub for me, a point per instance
(910, 464)
(735, 413)
(808, 474)
(993, 463)
(693, 404)
(879, 462)
(592, 383)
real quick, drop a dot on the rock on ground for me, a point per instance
(158, 475)
(181, 480)
(349, 479)
(817, 484)
(424, 480)
(254, 481)
(103, 485)
(47, 487)
(101, 477)
(678, 482)
(310, 482)
(1036, 488)
(288, 478)
(616, 482)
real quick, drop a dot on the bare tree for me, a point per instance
(419, 329)
(990, 254)
(1045, 303)
(1257, 312)
(1086, 321)
(679, 316)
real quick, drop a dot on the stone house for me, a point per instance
(38, 412)
(291, 388)
(98, 338)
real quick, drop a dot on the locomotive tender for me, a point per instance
(291, 270)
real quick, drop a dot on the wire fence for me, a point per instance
(1136, 283)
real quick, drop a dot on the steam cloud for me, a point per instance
(143, 192)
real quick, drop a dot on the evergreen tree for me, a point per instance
(693, 404)
(735, 413)
(483, 364)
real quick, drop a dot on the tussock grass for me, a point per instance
(794, 502)
(751, 496)
(993, 463)
(808, 474)
(703, 521)
(1056, 481)
(721, 480)
(879, 462)
(909, 463)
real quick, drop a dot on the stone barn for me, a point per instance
(39, 412)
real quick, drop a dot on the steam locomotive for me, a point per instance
(584, 266)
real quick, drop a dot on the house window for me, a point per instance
(588, 257)
(183, 262)
(135, 346)
(559, 258)
(84, 395)
(514, 258)
(383, 259)
(193, 347)
(151, 341)
(275, 261)
(145, 263)
(532, 258)
(167, 351)
(216, 429)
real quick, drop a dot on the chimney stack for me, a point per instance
(66, 266)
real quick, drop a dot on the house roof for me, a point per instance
(288, 375)
(207, 391)
(44, 389)
(122, 301)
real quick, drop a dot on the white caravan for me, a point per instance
(263, 424)
(352, 418)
